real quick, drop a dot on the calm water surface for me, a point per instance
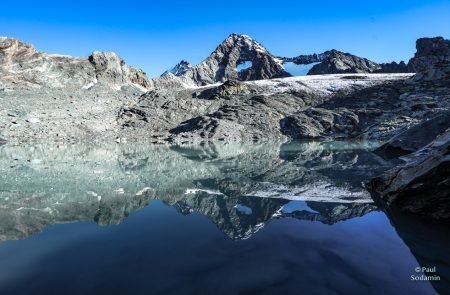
(228, 219)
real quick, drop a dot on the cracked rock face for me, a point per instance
(432, 59)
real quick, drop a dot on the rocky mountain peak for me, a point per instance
(238, 57)
(13, 50)
(180, 69)
(243, 42)
(22, 65)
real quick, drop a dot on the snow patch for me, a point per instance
(319, 192)
(90, 85)
(294, 206)
(325, 84)
(244, 65)
(193, 191)
(298, 70)
(243, 209)
(142, 191)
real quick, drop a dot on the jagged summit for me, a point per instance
(180, 69)
(238, 57)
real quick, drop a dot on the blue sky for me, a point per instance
(156, 35)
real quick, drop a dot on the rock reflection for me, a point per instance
(429, 242)
(239, 187)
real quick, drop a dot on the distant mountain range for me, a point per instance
(239, 57)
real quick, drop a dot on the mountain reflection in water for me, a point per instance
(256, 195)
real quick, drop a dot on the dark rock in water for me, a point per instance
(422, 184)
(415, 137)
(2, 141)
(320, 123)
(338, 62)
(432, 59)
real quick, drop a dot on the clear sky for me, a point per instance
(154, 36)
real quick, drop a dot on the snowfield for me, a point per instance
(326, 84)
